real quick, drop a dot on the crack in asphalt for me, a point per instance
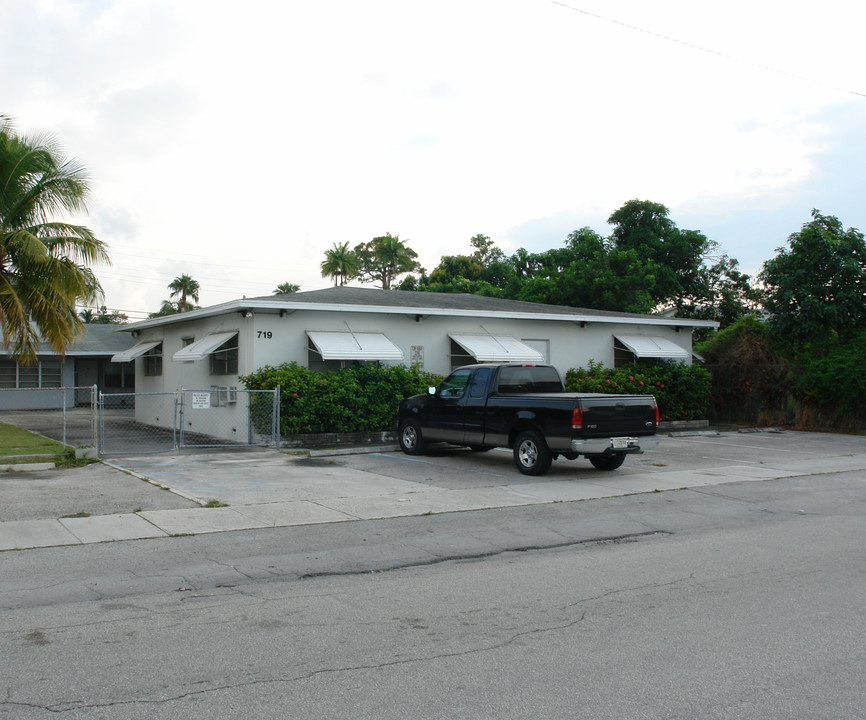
(481, 555)
(71, 706)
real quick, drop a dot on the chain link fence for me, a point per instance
(139, 423)
(65, 414)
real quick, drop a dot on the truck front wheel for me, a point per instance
(531, 454)
(411, 441)
(607, 462)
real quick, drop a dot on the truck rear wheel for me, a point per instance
(607, 462)
(410, 438)
(531, 455)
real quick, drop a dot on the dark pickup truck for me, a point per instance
(525, 407)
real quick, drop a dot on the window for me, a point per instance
(459, 356)
(28, 376)
(479, 382)
(224, 360)
(120, 375)
(44, 374)
(50, 374)
(454, 386)
(518, 379)
(153, 361)
(646, 350)
(8, 374)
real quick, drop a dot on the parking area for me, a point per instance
(249, 477)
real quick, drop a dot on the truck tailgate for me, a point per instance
(615, 415)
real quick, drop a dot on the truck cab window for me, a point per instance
(479, 382)
(454, 386)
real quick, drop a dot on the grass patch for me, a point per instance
(215, 503)
(18, 441)
(70, 461)
(77, 515)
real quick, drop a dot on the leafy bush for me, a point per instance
(833, 381)
(357, 399)
(751, 380)
(681, 391)
(763, 378)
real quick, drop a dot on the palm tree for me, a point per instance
(44, 261)
(185, 287)
(393, 258)
(286, 288)
(340, 263)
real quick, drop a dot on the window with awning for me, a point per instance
(135, 351)
(204, 347)
(651, 347)
(363, 346)
(496, 348)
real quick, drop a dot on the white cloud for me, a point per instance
(236, 143)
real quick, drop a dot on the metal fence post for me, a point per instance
(101, 433)
(275, 423)
(63, 393)
(95, 434)
(178, 418)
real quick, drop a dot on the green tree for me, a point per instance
(341, 264)
(44, 260)
(286, 288)
(171, 307)
(113, 317)
(485, 272)
(677, 255)
(385, 258)
(485, 251)
(816, 288)
(728, 294)
(102, 316)
(184, 287)
(587, 272)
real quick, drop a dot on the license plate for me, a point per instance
(620, 443)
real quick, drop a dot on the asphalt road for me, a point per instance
(742, 600)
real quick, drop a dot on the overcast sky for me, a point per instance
(237, 141)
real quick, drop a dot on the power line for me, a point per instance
(701, 48)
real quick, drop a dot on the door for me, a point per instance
(86, 376)
(475, 406)
(446, 409)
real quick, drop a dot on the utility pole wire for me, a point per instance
(700, 48)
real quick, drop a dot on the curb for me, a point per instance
(28, 467)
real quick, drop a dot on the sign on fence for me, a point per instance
(200, 400)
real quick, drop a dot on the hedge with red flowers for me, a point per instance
(682, 391)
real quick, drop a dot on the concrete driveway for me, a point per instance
(264, 488)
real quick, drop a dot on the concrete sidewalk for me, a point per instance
(272, 489)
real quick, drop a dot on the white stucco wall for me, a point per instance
(266, 338)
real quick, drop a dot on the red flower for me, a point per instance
(607, 381)
(641, 382)
(631, 377)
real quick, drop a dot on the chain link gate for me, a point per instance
(221, 417)
(143, 423)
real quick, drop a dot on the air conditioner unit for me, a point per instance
(231, 395)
